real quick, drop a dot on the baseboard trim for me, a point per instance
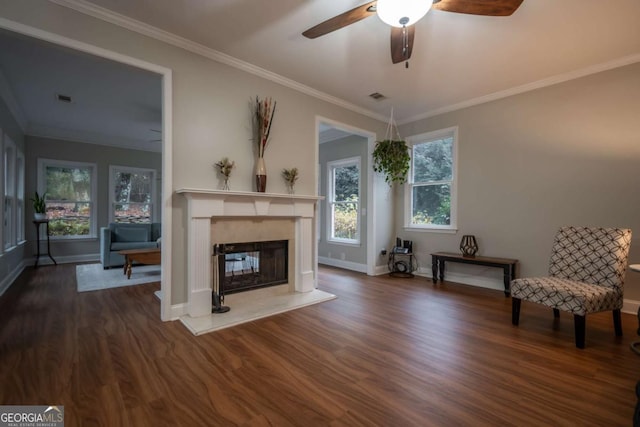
(347, 265)
(381, 269)
(178, 310)
(70, 259)
(630, 306)
(465, 279)
(13, 275)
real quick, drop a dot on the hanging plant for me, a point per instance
(391, 157)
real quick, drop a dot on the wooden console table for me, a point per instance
(508, 265)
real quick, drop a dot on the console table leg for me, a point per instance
(441, 266)
(507, 281)
(434, 269)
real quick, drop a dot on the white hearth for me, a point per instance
(233, 217)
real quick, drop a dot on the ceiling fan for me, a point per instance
(402, 14)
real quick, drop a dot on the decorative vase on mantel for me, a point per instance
(261, 175)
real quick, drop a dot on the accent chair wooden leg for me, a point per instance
(580, 329)
(515, 310)
(617, 322)
(556, 313)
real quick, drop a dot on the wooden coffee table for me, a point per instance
(150, 256)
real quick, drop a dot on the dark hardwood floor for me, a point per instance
(387, 352)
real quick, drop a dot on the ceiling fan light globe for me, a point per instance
(399, 13)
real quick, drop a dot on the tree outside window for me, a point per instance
(431, 187)
(132, 194)
(344, 203)
(70, 197)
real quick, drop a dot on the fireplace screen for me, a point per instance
(246, 266)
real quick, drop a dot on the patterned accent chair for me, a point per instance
(586, 275)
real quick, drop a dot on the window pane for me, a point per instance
(432, 204)
(432, 161)
(69, 219)
(346, 183)
(132, 187)
(64, 183)
(132, 212)
(345, 221)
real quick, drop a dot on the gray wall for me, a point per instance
(344, 148)
(103, 156)
(568, 154)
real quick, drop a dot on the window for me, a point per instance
(13, 202)
(70, 189)
(20, 212)
(8, 218)
(344, 200)
(131, 194)
(430, 193)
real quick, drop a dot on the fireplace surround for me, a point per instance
(218, 217)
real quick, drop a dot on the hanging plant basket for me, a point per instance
(391, 156)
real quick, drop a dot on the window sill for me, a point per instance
(432, 230)
(62, 239)
(343, 243)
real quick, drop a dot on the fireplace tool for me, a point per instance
(217, 295)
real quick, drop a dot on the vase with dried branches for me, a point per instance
(263, 111)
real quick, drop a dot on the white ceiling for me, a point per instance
(112, 103)
(458, 60)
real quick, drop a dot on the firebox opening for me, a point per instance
(247, 266)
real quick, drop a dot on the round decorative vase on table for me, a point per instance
(261, 175)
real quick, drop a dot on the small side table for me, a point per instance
(38, 223)
(401, 265)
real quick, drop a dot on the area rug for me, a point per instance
(92, 277)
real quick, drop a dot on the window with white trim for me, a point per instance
(20, 210)
(71, 194)
(9, 215)
(132, 192)
(430, 192)
(344, 201)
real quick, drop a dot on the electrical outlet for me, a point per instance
(383, 251)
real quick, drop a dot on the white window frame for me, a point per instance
(112, 189)
(331, 166)
(9, 234)
(20, 204)
(93, 220)
(408, 187)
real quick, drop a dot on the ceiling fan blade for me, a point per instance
(401, 45)
(479, 7)
(354, 15)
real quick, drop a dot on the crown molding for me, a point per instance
(106, 15)
(560, 78)
(12, 104)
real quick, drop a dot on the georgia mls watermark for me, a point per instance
(31, 416)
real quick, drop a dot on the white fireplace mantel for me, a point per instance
(203, 205)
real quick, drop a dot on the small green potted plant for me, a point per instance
(39, 206)
(391, 157)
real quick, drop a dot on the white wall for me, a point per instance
(568, 154)
(210, 114)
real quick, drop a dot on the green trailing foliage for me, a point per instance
(392, 159)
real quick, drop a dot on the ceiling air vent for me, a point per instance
(64, 98)
(377, 96)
